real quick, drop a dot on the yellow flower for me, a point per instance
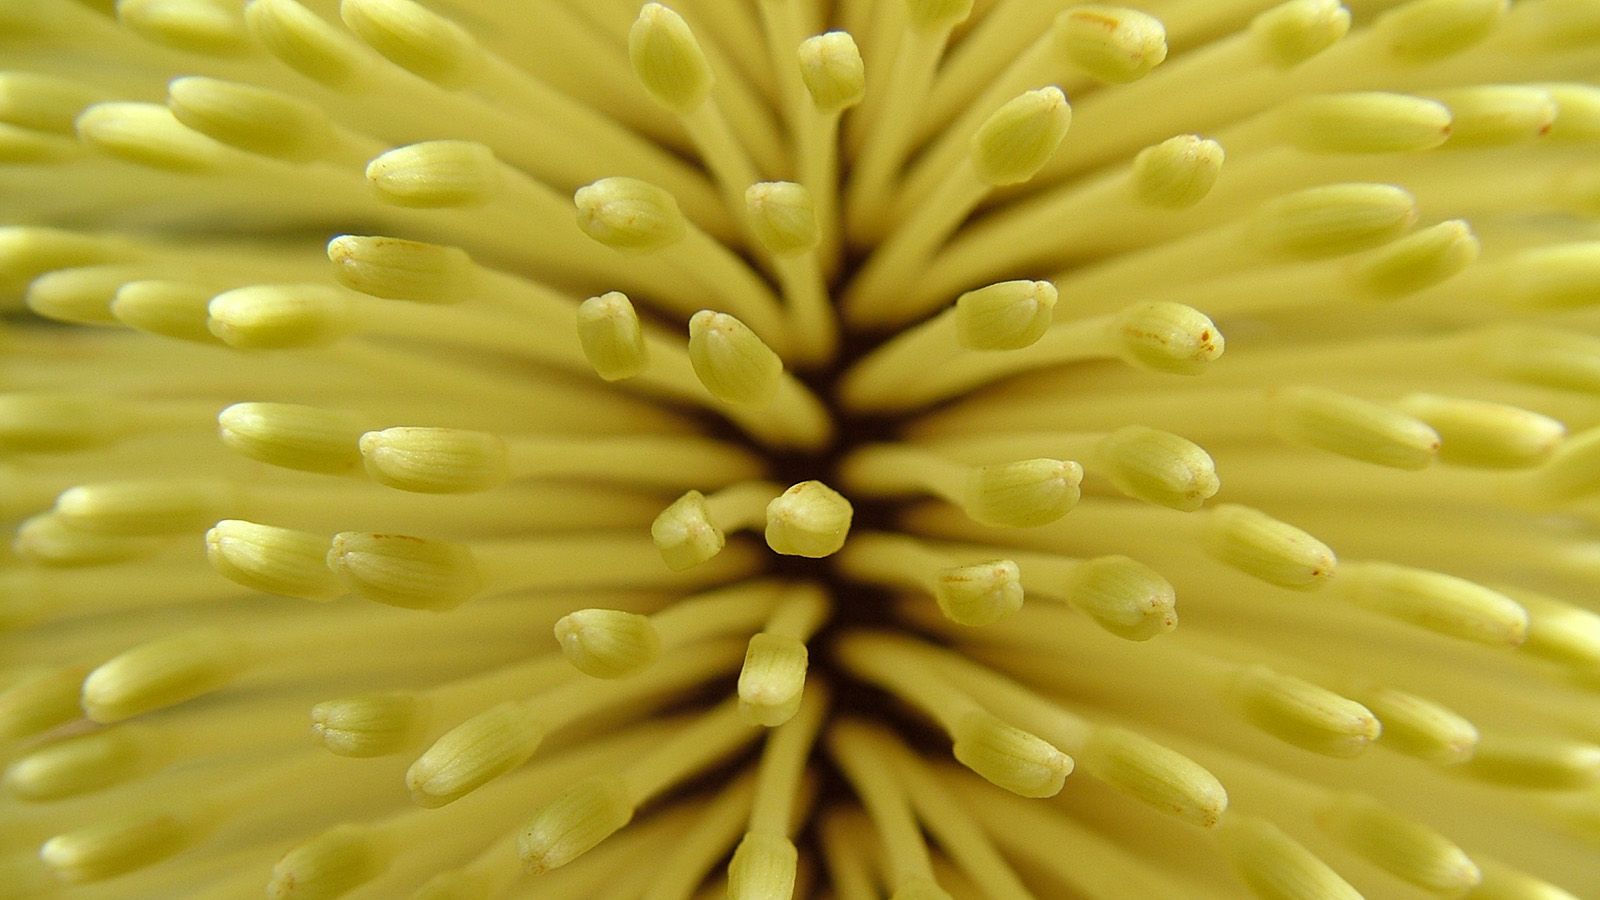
(664, 448)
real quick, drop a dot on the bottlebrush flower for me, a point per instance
(667, 448)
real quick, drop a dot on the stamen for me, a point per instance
(974, 594)
(694, 528)
(1275, 865)
(831, 67)
(1412, 851)
(773, 678)
(674, 70)
(498, 740)
(1007, 149)
(612, 339)
(1009, 315)
(1003, 754)
(592, 811)
(858, 750)
(784, 218)
(1020, 494)
(1434, 601)
(765, 861)
(808, 519)
(639, 218)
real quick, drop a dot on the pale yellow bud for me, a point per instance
(172, 309)
(76, 766)
(403, 571)
(1276, 867)
(472, 754)
(612, 337)
(773, 679)
(731, 361)
(435, 460)
(980, 594)
(366, 725)
(43, 102)
(277, 317)
(763, 868)
(303, 41)
(292, 436)
(50, 540)
(1579, 117)
(163, 672)
(112, 847)
(398, 269)
(197, 26)
(1304, 714)
(685, 533)
(414, 38)
(608, 643)
(1167, 337)
(1017, 140)
(1273, 551)
(1352, 427)
(1157, 467)
(783, 216)
(1153, 774)
(574, 823)
(1417, 726)
(1428, 29)
(253, 119)
(1557, 275)
(143, 508)
(668, 60)
(1561, 632)
(279, 561)
(1370, 122)
(809, 519)
(329, 865)
(1435, 601)
(1497, 115)
(629, 214)
(1023, 494)
(1125, 597)
(1009, 757)
(831, 68)
(1419, 260)
(1535, 761)
(436, 174)
(146, 134)
(1291, 33)
(1486, 435)
(1412, 851)
(1009, 315)
(1111, 43)
(1334, 219)
(1178, 172)
(1574, 469)
(40, 700)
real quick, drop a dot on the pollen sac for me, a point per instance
(608, 643)
(1024, 494)
(404, 571)
(685, 534)
(809, 519)
(1009, 757)
(773, 677)
(1111, 43)
(573, 824)
(979, 594)
(611, 336)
